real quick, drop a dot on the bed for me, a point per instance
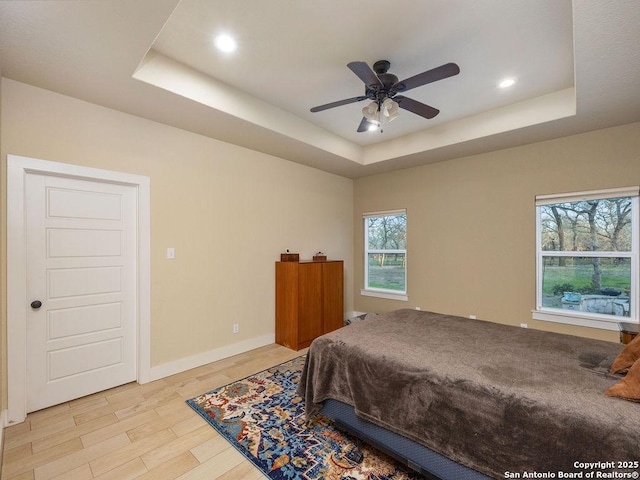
(492, 400)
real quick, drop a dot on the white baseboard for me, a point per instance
(184, 364)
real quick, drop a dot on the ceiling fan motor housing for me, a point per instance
(381, 66)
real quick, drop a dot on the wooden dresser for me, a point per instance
(309, 301)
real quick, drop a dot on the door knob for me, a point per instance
(36, 304)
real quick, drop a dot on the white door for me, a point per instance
(81, 268)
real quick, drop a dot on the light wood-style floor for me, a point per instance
(136, 431)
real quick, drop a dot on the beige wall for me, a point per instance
(471, 222)
(228, 212)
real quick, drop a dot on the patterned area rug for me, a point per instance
(263, 417)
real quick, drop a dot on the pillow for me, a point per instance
(629, 387)
(627, 356)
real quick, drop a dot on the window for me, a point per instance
(587, 258)
(385, 254)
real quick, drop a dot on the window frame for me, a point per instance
(580, 318)
(383, 292)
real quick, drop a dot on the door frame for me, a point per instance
(17, 169)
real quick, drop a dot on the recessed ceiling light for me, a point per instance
(507, 82)
(225, 43)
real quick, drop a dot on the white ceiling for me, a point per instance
(577, 66)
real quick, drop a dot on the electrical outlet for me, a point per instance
(472, 317)
(524, 325)
(236, 327)
(171, 253)
(418, 308)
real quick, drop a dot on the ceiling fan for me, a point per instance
(382, 88)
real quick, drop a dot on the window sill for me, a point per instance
(384, 294)
(582, 319)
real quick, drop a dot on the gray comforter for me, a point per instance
(493, 397)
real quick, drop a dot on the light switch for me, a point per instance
(171, 253)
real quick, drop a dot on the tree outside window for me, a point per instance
(588, 256)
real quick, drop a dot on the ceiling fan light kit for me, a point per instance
(375, 113)
(372, 113)
(390, 109)
(382, 87)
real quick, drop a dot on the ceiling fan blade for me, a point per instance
(364, 125)
(416, 107)
(443, 71)
(364, 73)
(339, 103)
